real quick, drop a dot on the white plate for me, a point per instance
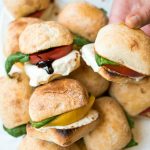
(142, 125)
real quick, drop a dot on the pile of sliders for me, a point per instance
(75, 83)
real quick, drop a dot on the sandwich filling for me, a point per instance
(69, 120)
(17, 131)
(41, 66)
(37, 14)
(95, 61)
(146, 112)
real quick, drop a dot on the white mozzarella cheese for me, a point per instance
(88, 56)
(62, 66)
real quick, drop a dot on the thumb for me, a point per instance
(138, 18)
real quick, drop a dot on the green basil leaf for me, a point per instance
(12, 59)
(17, 131)
(80, 41)
(103, 61)
(42, 123)
(130, 120)
(131, 143)
(105, 12)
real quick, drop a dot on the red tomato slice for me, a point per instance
(124, 70)
(36, 14)
(144, 113)
(51, 54)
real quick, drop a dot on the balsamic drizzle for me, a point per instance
(46, 65)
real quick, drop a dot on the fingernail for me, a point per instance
(133, 21)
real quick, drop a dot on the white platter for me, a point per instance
(142, 125)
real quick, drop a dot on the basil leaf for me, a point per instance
(80, 41)
(130, 120)
(12, 59)
(103, 61)
(42, 123)
(17, 131)
(104, 11)
(131, 143)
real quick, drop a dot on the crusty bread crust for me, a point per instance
(94, 83)
(128, 47)
(21, 8)
(62, 137)
(14, 100)
(83, 19)
(134, 97)
(110, 76)
(29, 143)
(113, 132)
(57, 97)
(15, 28)
(41, 36)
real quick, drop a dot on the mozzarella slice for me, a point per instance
(62, 67)
(88, 55)
(90, 117)
(14, 69)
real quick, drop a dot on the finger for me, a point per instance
(146, 29)
(119, 11)
(138, 18)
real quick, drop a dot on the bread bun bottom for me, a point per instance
(62, 137)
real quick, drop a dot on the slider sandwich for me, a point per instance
(15, 28)
(119, 54)
(134, 97)
(114, 131)
(84, 20)
(46, 51)
(29, 8)
(61, 113)
(14, 104)
(29, 143)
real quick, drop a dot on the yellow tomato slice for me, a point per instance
(20, 65)
(72, 116)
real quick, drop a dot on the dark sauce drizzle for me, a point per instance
(46, 65)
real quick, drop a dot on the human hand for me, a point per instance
(135, 13)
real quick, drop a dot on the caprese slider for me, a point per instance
(119, 54)
(47, 52)
(61, 112)
(14, 104)
(15, 28)
(114, 132)
(29, 8)
(84, 20)
(134, 97)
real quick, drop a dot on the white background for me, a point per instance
(142, 125)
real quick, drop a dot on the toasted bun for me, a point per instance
(113, 132)
(44, 35)
(129, 47)
(94, 83)
(15, 28)
(110, 76)
(29, 143)
(62, 137)
(134, 97)
(21, 8)
(83, 19)
(57, 97)
(14, 101)
(81, 144)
